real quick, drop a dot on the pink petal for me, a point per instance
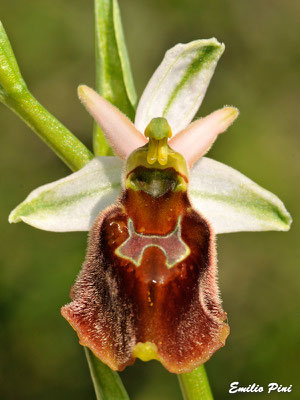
(119, 131)
(195, 140)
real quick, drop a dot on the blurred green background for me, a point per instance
(258, 272)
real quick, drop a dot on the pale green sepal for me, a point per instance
(72, 203)
(231, 202)
(178, 86)
(113, 74)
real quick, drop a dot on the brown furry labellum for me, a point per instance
(148, 286)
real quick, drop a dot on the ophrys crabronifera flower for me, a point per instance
(148, 286)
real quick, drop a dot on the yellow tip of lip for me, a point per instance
(145, 351)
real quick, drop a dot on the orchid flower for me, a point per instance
(148, 286)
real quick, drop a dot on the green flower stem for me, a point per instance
(194, 385)
(113, 74)
(56, 135)
(107, 383)
(15, 95)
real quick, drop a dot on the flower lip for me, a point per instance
(148, 289)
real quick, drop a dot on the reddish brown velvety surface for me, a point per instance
(117, 304)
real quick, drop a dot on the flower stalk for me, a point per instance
(194, 385)
(15, 95)
(68, 148)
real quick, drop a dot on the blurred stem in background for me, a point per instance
(114, 81)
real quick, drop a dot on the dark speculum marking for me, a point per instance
(172, 245)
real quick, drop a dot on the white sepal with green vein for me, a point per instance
(231, 202)
(179, 84)
(72, 203)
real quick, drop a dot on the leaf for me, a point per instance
(72, 203)
(107, 383)
(113, 74)
(178, 86)
(124, 59)
(232, 202)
